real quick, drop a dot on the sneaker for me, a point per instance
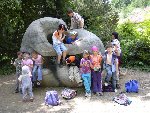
(99, 93)
(106, 84)
(118, 86)
(86, 94)
(89, 94)
(38, 83)
(31, 99)
(115, 90)
(16, 91)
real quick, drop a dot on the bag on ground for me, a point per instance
(52, 98)
(122, 99)
(132, 86)
(68, 93)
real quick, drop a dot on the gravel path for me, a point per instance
(11, 102)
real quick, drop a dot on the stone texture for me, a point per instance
(35, 38)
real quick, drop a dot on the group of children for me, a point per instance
(27, 69)
(91, 65)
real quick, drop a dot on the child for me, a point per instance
(28, 62)
(111, 66)
(73, 37)
(26, 83)
(73, 61)
(96, 60)
(85, 71)
(117, 51)
(58, 44)
(37, 58)
(77, 21)
(18, 64)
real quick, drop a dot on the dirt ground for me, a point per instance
(11, 102)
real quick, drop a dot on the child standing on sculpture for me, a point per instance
(77, 22)
(18, 64)
(96, 60)
(26, 83)
(37, 68)
(58, 44)
(28, 62)
(85, 71)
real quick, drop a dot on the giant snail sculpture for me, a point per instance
(36, 39)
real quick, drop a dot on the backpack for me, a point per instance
(52, 98)
(68, 93)
(74, 74)
(132, 86)
(122, 99)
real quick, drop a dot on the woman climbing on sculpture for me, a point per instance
(58, 44)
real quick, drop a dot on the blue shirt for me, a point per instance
(69, 40)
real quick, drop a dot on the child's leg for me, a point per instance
(86, 82)
(99, 82)
(109, 73)
(64, 50)
(114, 80)
(24, 92)
(58, 51)
(39, 73)
(30, 91)
(94, 82)
(34, 73)
(17, 83)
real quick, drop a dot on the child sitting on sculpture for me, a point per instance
(58, 44)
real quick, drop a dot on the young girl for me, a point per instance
(86, 72)
(28, 62)
(58, 44)
(26, 83)
(96, 60)
(37, 58)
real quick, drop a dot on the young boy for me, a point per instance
(26, 83)
(77, 22)
(111, 66)
(73, 37)
(18, 64)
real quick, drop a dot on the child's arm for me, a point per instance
(116, 62)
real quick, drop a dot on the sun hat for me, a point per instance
(94, 48)
(73, 33)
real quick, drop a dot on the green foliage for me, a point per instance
(135, 42)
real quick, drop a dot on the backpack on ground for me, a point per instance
(132, 86)
(122, 99)
(52, 98)
(68, 93)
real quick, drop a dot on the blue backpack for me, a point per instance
(132, 86)
(52, 98)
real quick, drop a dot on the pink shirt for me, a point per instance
(96, 60)
(38, 60)
(27, 62)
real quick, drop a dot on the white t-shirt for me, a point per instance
(55, 39)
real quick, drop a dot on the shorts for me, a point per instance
(59, 48)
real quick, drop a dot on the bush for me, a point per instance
(135, 43)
